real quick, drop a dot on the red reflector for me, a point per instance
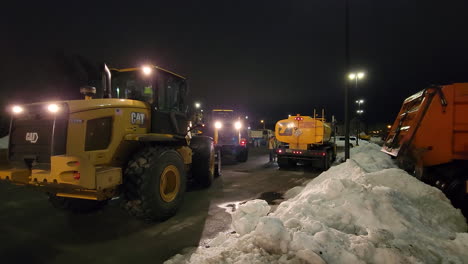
(298, 118)
(76, 175)
(324, 154)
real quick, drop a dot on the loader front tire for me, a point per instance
(80, 206)
(154, 184)
(203, 161)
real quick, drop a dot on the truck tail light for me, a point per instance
(279, 150)
(243, 142)
(76, 175)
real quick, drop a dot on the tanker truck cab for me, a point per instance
(304, 139)
(132, 142)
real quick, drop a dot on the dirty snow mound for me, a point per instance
(362, 211)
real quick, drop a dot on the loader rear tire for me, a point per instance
(80, 206)
(203, 161)
(154, 184)
(218, 162)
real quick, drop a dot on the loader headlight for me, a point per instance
(147, 70)
(238, 125)
(16, 109)
(53, 108)
(218, 125)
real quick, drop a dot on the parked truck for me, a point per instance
(429, 139)
(306, 139)
(229, 132)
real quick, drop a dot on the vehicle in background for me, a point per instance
(364, 136)
(429, 138)
(132, 141)
(230, 134)
(260, 137)
(340, 141)
(306, 139)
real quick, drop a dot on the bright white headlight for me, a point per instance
(17, 109)
(238, 125)
(218, 125)
(53, 108)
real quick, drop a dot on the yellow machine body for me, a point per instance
(301, 131)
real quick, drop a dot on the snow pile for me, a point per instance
(362, 211)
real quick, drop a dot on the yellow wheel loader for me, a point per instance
(132, 141)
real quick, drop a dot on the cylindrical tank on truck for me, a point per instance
(305, 139)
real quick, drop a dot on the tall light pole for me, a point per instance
(347, 65)
(359, 112)
(354, 76)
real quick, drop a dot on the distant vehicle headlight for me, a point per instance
(17, 109)
(218, 125)
(238, 125)
(53, 108)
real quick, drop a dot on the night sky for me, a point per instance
(266, 58)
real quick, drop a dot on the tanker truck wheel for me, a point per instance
(154, 184)
(74, 205)
(203, 161)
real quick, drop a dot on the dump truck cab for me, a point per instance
(85, 152)
(229, 133)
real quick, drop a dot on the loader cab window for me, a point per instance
(171, 92)
(131, 85)
(166, 92)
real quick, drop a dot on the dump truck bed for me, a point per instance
(432, 126)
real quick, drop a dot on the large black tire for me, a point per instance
(203, 160)
(154, 183)
(80, 206)
(243, 155)
(327, 160)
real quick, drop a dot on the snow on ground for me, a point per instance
(362, 211)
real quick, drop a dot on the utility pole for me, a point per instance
(347, 62)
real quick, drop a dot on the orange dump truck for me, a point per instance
(429, 138)
(305, 139)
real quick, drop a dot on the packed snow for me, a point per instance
(362, 211)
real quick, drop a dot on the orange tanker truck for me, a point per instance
(305, 139)
(429, 138)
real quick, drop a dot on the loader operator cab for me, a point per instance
(163, 90)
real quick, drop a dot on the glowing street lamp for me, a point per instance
(353, 76)
(263, 122)
(197, 105)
